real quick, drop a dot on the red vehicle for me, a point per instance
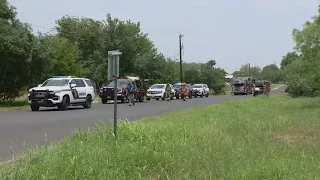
(242, 85)
(107, 92)
(177, 92)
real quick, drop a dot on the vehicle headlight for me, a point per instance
(57, 91)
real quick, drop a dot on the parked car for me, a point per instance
(157, 91)
(62, 91)
(200, 90)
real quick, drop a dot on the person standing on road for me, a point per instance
(266, 88)
(168, 91)
(131, 90)
(183, 91)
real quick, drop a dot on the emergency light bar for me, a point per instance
(63, 77)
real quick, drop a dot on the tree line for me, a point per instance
(269, 72)
(79, 47)
(301, 66)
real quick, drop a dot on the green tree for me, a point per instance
(16, 44)
(271, 73)
(88, 35)
(303, 73)
(288, 59)
(246, 70)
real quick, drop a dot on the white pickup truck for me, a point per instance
(157, 91)
(200, 90)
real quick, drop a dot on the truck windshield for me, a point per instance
(238, 84)
(157, 86)
(259, 84)
(120, 83)
(55, 82)
(197, 86)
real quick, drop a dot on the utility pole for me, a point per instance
(249, 69)
(180, 49)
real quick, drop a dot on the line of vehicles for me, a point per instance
(66, 91)
(144, 90)
(247, 85)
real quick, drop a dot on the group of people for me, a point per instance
(183, 91)
(132, 89)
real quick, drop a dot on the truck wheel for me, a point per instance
(148, 99)
(34, 107)
(157, 99)
(201, 95)
(64, 105)
(88, 102)
(104, 101)
(207, 94)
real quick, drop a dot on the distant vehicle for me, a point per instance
(62, 91)
(258, 89)
(241, 85)
(157, 91)
(107, 92)
(200, 90)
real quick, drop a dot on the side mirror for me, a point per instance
(73, 85)
(39, 85)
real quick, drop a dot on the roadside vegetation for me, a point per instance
(301, 67)
(257, 138)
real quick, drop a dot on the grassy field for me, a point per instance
(257, 138)
(19, 103)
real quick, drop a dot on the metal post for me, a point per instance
(180, 49)
(115, 103)
(249, 70)
(113, 74)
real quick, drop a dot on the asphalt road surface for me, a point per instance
(20, 129)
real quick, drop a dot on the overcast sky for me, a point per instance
(232, 32)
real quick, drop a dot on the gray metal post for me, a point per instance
(113, 73)
(115, 120)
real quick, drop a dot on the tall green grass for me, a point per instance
(258, 138)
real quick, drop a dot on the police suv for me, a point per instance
(62, 92)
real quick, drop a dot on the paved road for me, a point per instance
(22, 128)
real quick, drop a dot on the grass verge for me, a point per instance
(16, 105)
(257, 138)
(275, 86)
